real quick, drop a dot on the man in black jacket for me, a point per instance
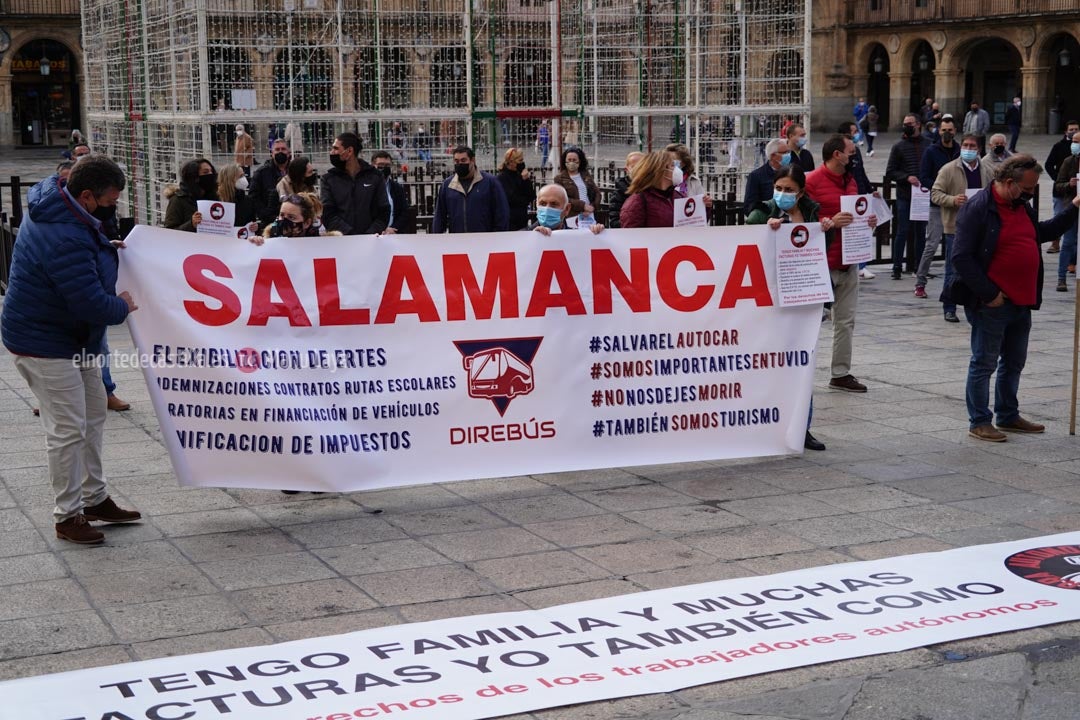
(759, 184)
(622, 187)
(796, 147)
(401, 217)
(1012, 120)
(263, 191)
(1058, 153)
(905, 158)
(353, 193)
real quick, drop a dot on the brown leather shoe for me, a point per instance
(847, 383)
(78, 530)
(107, 511)
(117, 404)
(1021, 425)
(987, 432)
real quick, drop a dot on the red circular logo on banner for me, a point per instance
(217, 211)
(1055, 566)
(689, 208)
(860, 206)
(247, 360)
(800, 236)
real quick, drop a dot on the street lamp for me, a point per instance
(879, 64)
(1064, 57)
(45, 65)
(924, 62)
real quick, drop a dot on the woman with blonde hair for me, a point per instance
(652, 193)
(518, 187)
(232, 187)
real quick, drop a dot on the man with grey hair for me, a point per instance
(998, 279)
(996, 152)
(552, 209)
(61, 298)
(759, 185)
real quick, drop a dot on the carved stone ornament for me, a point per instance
(838, 77)
(938, 40)
(894, 44)
(1027, 36)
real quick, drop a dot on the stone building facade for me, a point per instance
(896, 53)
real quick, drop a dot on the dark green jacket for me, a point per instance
(763, 211)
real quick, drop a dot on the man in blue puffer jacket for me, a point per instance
(61, 297)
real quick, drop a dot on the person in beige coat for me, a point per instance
(950, 192)
(244, 153)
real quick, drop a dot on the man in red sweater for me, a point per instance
(825, 186)
(998, 277)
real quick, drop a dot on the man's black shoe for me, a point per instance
(951, 317)
(812, 443)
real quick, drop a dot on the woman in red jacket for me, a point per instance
(652, 193)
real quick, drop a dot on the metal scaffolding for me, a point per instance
(167, 81)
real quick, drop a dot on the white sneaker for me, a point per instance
(870, 154)
(865, 274)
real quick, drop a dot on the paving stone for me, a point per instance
(894, 548)
(950, 488)
(141, 586)
(239, 544)
(409, 499)
(578, 592)
(486, 544)
(644, 556)
(594, 530)
(264, 570)
(363, 529)
(792, 561)
(442, 582)
(933, 694)
(630, 707)
(826, 700)
(63, 661)
(281, 603)
(111, 558)
(892, 470)
(201, 642)
(779, 508)
(442, 609)
(53, 633)
(930, 519)
(747, 542)
(13, 519)
(29, 568)
(686, 519)
(585, 480)
(691, 575)
(540, 570)
(637, 497)
(839, 530)
(445, 520)
(724, 487)
(811, 478)
(333, 625)
(492, 489)
(867, 497)
(379, 557)
(543, 508)
(41, 598)
(22, 542)
(987, 534)
(314, 509)
(183, 501)
(173, 617)
(210, 522)
(1018, 506)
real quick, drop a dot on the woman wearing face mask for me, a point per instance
(686, 182)
(232, 187)
(198, 181)
(651, 202)
(299, 178)
(790, 204)
(297, 218)
(518, 187)
(575, 178)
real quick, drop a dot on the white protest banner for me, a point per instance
(217, 218)
(920, 204)
(345, 363)
(690, 212)
(802, 270)
(485, 666)
(858, 237)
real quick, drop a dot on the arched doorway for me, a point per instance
(992, 78)
(922, 75)
(786, 67)
(877, 84)
(44, 93)
(1063, 59)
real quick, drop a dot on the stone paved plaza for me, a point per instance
(210, 569)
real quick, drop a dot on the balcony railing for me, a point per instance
(39, 7)
(882, 12)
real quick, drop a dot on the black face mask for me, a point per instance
(281, 158)
(1025, 197)
(999, 149)
(104, 213)
(519, 167)
(947, 136)
(312, 180)
(909, 131)
(385, 171)
(284, 227)
(462, 170)
(208, 185)
(337, 161)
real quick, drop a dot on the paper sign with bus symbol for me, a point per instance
(499, 370)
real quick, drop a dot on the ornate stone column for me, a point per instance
(1034, 90)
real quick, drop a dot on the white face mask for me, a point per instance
(242, 183)
(676, 176)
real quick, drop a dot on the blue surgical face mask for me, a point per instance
(969, 155)
(801, 142)
(548, 217)
(1075, 148)
(785, 200)
(785, 159)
